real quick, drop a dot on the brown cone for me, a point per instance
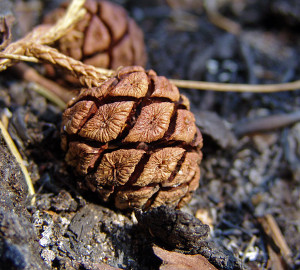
(134, 140)
(106, 37)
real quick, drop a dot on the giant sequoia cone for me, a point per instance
(134, 140)
(106, 37)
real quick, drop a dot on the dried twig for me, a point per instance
(278, 237)
(267, 123)
(13, 149)
(271, 228)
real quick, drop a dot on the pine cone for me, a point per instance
(106, 37)
(134, 140)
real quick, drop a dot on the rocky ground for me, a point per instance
(250, 182)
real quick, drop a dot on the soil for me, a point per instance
(248, 171)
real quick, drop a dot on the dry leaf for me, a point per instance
(174, 260)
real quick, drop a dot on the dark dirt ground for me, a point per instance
(245, 175)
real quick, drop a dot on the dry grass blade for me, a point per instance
(13, 149)
(228, 87)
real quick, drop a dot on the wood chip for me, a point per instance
(272, 230)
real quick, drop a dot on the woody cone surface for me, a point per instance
(134, 140)
(106, 37)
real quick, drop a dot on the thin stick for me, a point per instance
(278, 237)
(272, 230)
(13, 149)
(228, 87)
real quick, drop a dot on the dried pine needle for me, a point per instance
(229, 87)
(95, 73)
(13, 149)
(49, 95)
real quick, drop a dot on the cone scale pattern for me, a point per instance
(106, 37)
(134, 140)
